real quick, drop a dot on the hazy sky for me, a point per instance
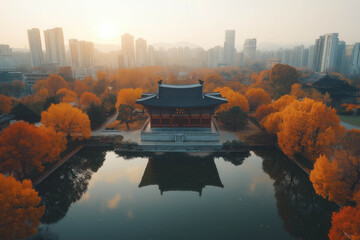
(202, 22)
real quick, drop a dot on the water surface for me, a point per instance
(100, 194)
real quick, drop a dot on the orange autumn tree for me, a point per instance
(297, 91)
(66, 95)
(308, 127)
(67, 120)
(283, 76)
(345, 224)
(213, 81)
(20, 212)
(338, 177)
(233, 98)
(257, 97)
(350, 107)
(39, 84)
(265, 110)
(5, 104)
(24, 147)
(79, 87)
(128, 96)
(54, 83)
(88, 98)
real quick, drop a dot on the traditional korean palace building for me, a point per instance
(340, 91)
(180, 113)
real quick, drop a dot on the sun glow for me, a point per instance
(106, 31)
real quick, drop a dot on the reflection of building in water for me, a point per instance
(180, 172)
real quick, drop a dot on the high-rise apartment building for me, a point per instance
(141, 52)
(355, 60)
(318, 53)
(36, 53)
(82, 53)
(229, 47)
(128, 50)
(5, 50)
(250, 49)
(329, 57)
(311, 56)
(55, 48)
(151, 55)
(215, 56)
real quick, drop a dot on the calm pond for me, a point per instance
(101, 194)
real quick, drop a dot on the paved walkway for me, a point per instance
(348, 126)
(57, 165)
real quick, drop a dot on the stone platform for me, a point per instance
(180, 135)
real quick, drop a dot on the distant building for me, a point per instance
(340, 91)
(32, 78)
(269, 63)
(5, 50)
(82, 53)
(249, 50)
(141, 52)
(215, 57)
(128, 49)
(6, 59)
(229, 47)
(36, 53)
(326, 50)
(151, 55)
(311, 56)
(355, 60)
(55, 48)
(10, 76)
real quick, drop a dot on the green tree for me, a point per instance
(17, 88)
(108, 104)
(96, 115)
(99, 87)
(23, 112)
(50, 100)
(125, 114)
(233, 119)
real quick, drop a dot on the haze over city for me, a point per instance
(274, 23)
(179, 119)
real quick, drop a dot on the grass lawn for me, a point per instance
(136, 124)
(351, 119)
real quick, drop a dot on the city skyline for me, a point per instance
(203, 24)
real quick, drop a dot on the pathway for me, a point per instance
(349, 126)
(57, 165)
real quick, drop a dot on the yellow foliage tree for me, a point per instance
(20, 212)
(80, 87)
(66, 95)
(338, 177)
(24, 147)
(263, 111)
(308, 127)
(54, 83)
(68, 120)
(233, 98)
(88, 98)
(128, 96)
(257, 97)
(213, 81)
(297, 91)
